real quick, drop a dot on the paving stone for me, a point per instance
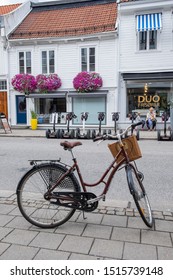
(91, 218)
(47, 240)
(156, 238)
(97, 231)
(4, 219)
(107, 248)
(136, 222)
(126, 234)
(3, 247)
(119, 221)
(18, 252)
(6, 208)
(135, 251)
(19, 222)
(16, 212)
(75, 256)
(4, 232)
(165, 253)
(76, 244)
(20, 237)
(163, 225)
(73, 228)
(45, 254)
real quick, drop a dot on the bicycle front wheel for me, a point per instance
(139, 195)
(30, 195)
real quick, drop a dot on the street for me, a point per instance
(156, 164)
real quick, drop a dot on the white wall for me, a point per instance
(154, 60)
(67, 56)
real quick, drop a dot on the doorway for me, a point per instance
(21, 109)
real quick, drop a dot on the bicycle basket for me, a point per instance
(131, 146)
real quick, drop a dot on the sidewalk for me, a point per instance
(113, 231)
(42, 133)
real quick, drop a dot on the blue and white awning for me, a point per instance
(149, 22)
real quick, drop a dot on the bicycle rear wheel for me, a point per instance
(30, 195)
(139, 195)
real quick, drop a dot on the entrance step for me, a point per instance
(147, 134)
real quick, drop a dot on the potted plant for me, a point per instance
(24, 83)
(87, 81)
(47, 83)
(34, 121)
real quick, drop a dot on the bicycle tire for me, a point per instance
(139, 195)
(30, 195)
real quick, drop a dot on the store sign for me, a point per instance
(146, 100)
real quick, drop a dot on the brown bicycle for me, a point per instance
(50, 193)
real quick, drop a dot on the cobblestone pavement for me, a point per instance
(113, 231)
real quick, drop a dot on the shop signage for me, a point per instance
(148, 100)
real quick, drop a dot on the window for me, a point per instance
(88, 59)
(3, 85)
(148, 26)
(25, 62)
(148, 40)
(46, 106)
(48, 62)
(143, 95)
(92, 105)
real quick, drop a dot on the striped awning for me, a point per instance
(149, 22)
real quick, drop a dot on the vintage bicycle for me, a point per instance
(50, 193)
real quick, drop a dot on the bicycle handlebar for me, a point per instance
(117, 136)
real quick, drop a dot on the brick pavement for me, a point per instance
(113, 231)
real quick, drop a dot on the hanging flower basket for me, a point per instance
(48, 83)
(87, 81)
(24, 83)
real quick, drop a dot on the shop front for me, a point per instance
(148, 90)
(45, 105)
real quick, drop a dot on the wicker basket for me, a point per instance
(131, 147)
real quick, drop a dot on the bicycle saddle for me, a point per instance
(70, 145)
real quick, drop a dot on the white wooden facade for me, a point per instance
(131, 59)
(68, 64)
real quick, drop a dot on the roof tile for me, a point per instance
(67, 21)
(8, 8)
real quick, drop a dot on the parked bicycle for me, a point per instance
(50, 193)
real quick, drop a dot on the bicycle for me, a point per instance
(50, 193)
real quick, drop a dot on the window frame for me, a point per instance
(147, 43)
(48, 61)
(25, 62)
(3, 85)
(88, 68)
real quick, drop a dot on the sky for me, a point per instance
(9, 2)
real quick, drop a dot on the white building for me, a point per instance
(66, 37)
(145, 31)
(10, 17)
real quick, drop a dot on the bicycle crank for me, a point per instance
(75, 200)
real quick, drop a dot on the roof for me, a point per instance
(70, 19)
(8, 8)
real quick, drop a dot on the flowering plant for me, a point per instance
(87, 81)
(48, 83)
(24, 83)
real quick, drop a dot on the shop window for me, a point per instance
(46, 106)
(48, 62)
(25, 62)
(92, 105)
(3, 85)
(142, 96)
(88, 59)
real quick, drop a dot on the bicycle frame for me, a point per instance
(113, 166)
